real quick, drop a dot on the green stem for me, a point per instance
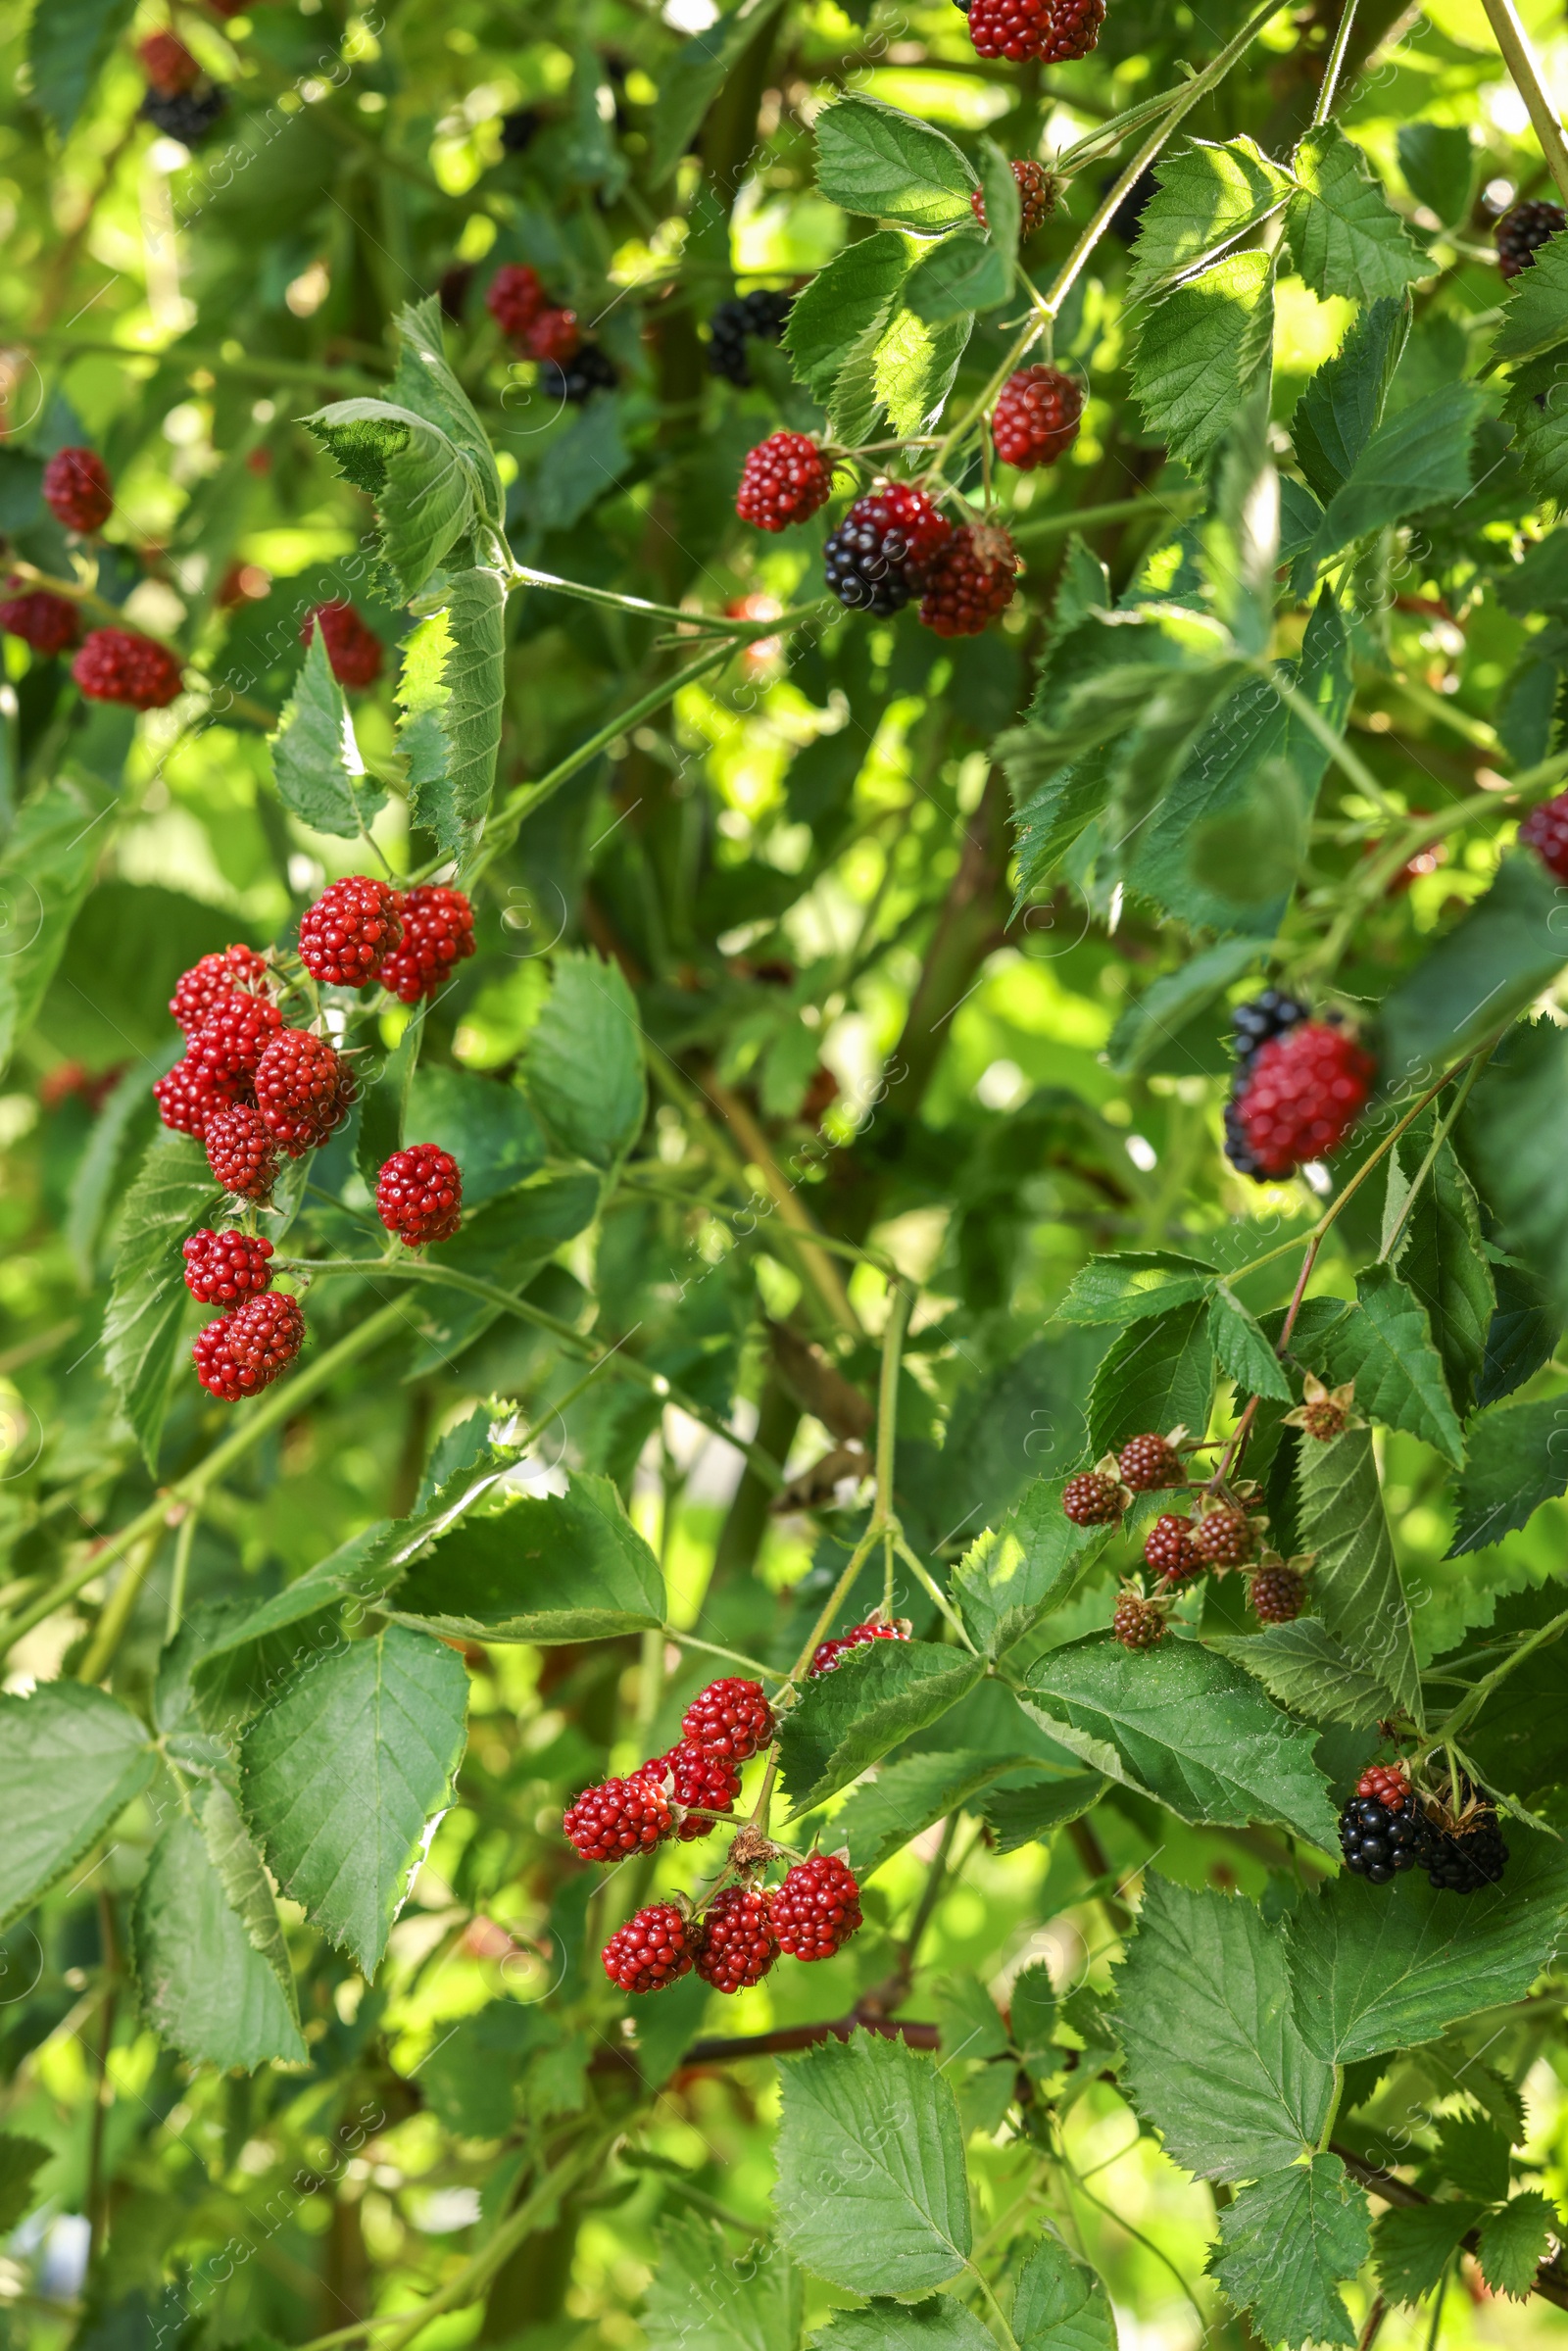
(1440, 1134)
(116, 1615)
(995, 2307)
(1348, 762)
(181, 1571)
(1334, 2110)
(523, 575)
(712, 1648)
(1175, 509)
(1468, 1708)
(1336, 65)
(932, 1590)
(1524, 68)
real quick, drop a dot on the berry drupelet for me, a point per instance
(619, 1817)
(303, 1090)
(739, 1944)
(353, 649)
(419, 1195)
(1035, 421)
(882, 550)
(817, 1909)
(1261, 1020)
(244, 1350)
(731, 1717)
(653, 1948)
(116, 664)
(1303, 1096)
(971, 579)
(761, 315)
(828, 1652)
(78, 491)
(1147, 1463)
(784, 480)
(1523, 230)
(1092, 1500)
(1544, 830)
(198, 990)
(437, 933)
(48, 623)
(347, 935)
(241, 1151)
(1037, 196)
(222, 1268)
(1389, 1783)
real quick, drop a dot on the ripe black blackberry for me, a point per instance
(879, 555)
(761, 314)
(521, 128)
(187, 114)
(1471, 1853)
(1377, 1843)
(1521, 234)
(589, 370)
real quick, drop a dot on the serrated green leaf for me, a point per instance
(1146, 1028)
(316, 761)
(851, 298)
(1287, 2245)
(1199, 352)
(1438, 160)
(68, 47)
(700, 2299)
(915, 366)
(1493, 964)
(1061, 2305)
(906, 1797)
(344, 1770)
(1515, 1129)
(585, 1070)
(173, 1195)
(1208, 193)
(1441, 1259)
(999, 198)
(964, 272)
(1518, 1460)
(1522, 1334)
(1158, 1375)
(871, 2191)
(1413, 2244)
(425, 382)
(1534, 308)
(504, 1243)
(1032, 2010)
(71, 1759)
(46, 867)
(1034, 1810)
(1515, 2240)
(453, 691)
(938, 2325)
(1475, 2156)
(205, 1988)
(548, 1569)
(1415, 459)
(1344, 236)
(1387, 1967)
(1118, 1289)
(1342, 405)
(694, 77)
(1214, 2059)
(1010, 1579)
(873, 160)
(1307, 1670)
(1355, 1579)
(1184, 1727)
(1383, 1344)
(245, 1885)
(876, 1697)
(1241, 1350)
(20, 2160)
(1536, 415)
(428, 491)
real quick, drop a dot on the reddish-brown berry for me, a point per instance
(198, 990)
(704, 1782)
(1304, 1093)
(115, 664)
(230, 1043)
(346, 937)
(168, 64)
(187, 1098)
(1137, 1623)
(1521, 234)
(828, 1652)
(48, 623)
(1168, 1547)
(619, 1817)
(817, 1909)
(222, 1268)
(419, 1195)
(241, 1152)
(970, 581)
(1388, 1783)
(78, 491)
(1037, 196)
(653, 1948)
(1544, 830)
(515, 298)
(730, 1718)
(352, 650)
(437, 932)
(303, 1090)
(1092, 1500)
(1225, 1536)
(1147, 1463)
(1036, 418)
(739, 1944)
(1074, 31)
(553, 336)
(784, 480)
(1276, 1593)
(244, 1350)
(880, 554)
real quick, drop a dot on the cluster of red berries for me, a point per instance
(1037, 196)
(259, 1331)
(48, 623)
(1390, 1826)
(894, 544)
(722, 1728)
(519, 306)
(1522, 231)
(353, 649)
(359, 931)
(248, 1086)
(1298, 1088)
(743, 1931)
(419, 1195)
(1035, 421)
(1052, 30)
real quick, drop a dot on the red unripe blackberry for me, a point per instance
(1147, 1463)
(244, 1350)
(346, 937)
(730, 1718)
(186, 1097)
(168, 64)
(230, 1043)
(828, 1652)
(78, 491)
(115, 664)
(1168, 1547)
(879, 555)
(1278, 1594)
(48, 623)
(553, 335)
(1074, 31)
(198, 990)
(739, 1944)
(1092, 1500)
(303, 1090)
(970, 581)
(1224, 1538)
(222, 1268)
(1015, 28)
(1388, 1783)
(784, 480)
(515, 298)
(705, 1782)
(241, 1152)
(419, 1195)
(1037, 196)
(352, 650)
(1304, 1094)
(437, 932)
(1137, 1623)
(653, 1948)
(1544, 830)
(619, 1817)
(1522, 232)
(817, 1909)
(1036, 418)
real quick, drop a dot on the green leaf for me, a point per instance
(1534, 308)
(964, 272)
(484, 1122)
(1475, 2156)
(586, 1061)
(848, 300)
(453, 691)
(1146, 1028)
(1309, 1671)
(384, 1107)
(1515, 1129)
(871, 158)
(1438, 160)
(1355, 1581)
(915, 366)
(939, 2325)
(1207, 194)
(344, 1770)
(1003, 209)
(1008, 1580)
(695, 76)
(1418, 458)
(1061, 2305)
(1538, 417)
(46, 867)
(1032, 2010)
(1518, 1460)
(174, 1194)
(1143, 1282)
(1522, 1334)
(504, 1243)
(245, 1885)
(71, 1759)
(67, 46)
(1493, 964)
(871, 2190)
(316, 759)
(875, 1697)
(1158, 1375)
(1199, 352)
(906, 1797)
(20, 2159)
(556, 1568)
(1383, 1344)
(1241, 1350)
(1387, 1967)
(428, 491)
(425, 383)
(1342, 405)
(1032, 1812)
(1287, 2245)
(1344, 236)
(1413, 2244)
(205, 1988)
(700, 2299)
(1515, 2240)
(1214, 2059)
(1442, 1257)
(1184, 1727)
